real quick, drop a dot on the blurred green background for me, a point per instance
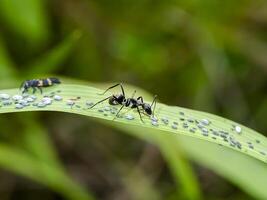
(208, 55)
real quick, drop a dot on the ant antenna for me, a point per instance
(154, 102)
(99, 102)
(118, 84)
(133, 93)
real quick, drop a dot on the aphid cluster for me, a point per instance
(133, 103)
(38, 84)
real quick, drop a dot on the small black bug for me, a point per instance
(120, 99)
(38, 84)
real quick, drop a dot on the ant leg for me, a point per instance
(118, 84)
(100, 102)
(133, 93)
(154, 102)
(118, 112)
(138, 110)
(122, 89)
(141, 98)
(145, 113)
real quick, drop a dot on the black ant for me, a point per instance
(120, 99)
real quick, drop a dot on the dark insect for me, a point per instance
(120, 99)
(38, 84)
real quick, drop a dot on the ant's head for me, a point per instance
(147, 108)
(119, 98)
(116, 99)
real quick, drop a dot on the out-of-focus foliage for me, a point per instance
(206, 55)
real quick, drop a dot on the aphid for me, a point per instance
(17, 97)
(174, 126)
(4, 96)
(19, 106)
(129, 117)
(205, 122)
(57, 98)
(154, 123)
(120, 99)
(238, 129)
(47, 100)
(38, 84)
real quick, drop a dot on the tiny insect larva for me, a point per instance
(38, 84)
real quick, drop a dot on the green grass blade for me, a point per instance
(234, 166)
(180, 168)
(245, 172)
(253, 144)
(37, 141)
(19, 161)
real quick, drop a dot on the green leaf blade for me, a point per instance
(250, 142)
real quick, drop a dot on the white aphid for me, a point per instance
(129, 117)
(154, 123)
(108, 109)
(47, 100)
(4, 96)
(89, 103)
(33, 97)
(29, 99)
(205, 122)
(57, 98)
(41, 105)
(23, 102)
(238, 129)
(17, 97)
(154, 118)
(18, 106)
(6, 102)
